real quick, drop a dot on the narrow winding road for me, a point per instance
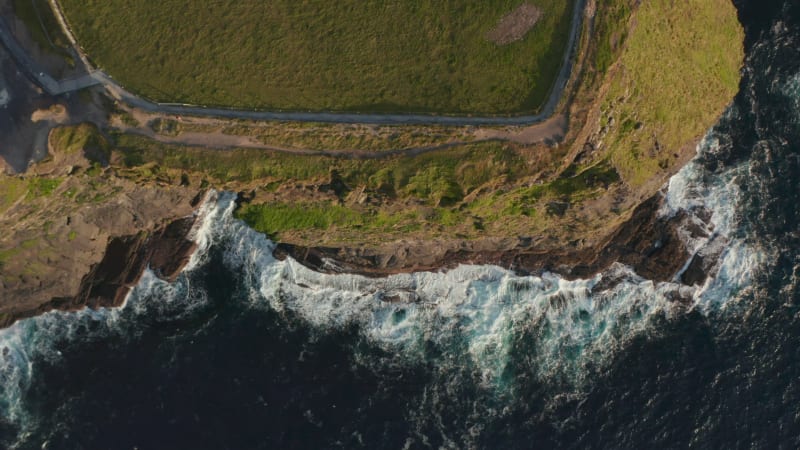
(95, 77)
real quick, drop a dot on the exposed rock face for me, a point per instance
(650, 244)
(165, 251)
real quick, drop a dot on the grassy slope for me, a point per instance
(84, 139)
(316, 136)
(427, 176)
(678, 71)
(469, 190)
(411, 55)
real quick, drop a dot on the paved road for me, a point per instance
(98, 77)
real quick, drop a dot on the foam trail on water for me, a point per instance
(486, 307)
(485, 316)
(692, 190)
(696, 192)
(34, 338)
(792, 90)
(31, 339)
(209, 215)
(480, 308)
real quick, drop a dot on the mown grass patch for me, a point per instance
(348, 55)
(273, 218)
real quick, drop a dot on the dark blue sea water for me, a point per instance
(247, 352)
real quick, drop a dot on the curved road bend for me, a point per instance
(98, 77)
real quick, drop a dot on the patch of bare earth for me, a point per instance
(515, 25)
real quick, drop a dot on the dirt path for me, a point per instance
(219, 140)
(551, 130)
(532, 129)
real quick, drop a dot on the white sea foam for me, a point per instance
(209, 216)
(739, 263)
(792, 90)
(34, 338)
(480, 308)
(474, 315)
(694, 191)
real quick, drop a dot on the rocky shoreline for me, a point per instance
(649, 244)
(165, 251)
(104, 205)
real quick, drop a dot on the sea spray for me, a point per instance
(792, 90)
(685, 370)
(208, 216)
(35, 339)
(478, 310)
(561, 332)
(713, 204)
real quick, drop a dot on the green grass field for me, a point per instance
(348, 55)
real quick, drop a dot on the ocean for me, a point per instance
(244, 351)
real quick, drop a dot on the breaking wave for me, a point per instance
(713, 204)
(475, 344)
(478, 316)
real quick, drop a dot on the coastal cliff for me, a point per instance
(574, 195)
(166, 251)
(649, 243)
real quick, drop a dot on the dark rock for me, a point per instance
(647, 243)
(557, 208)
(336, 185)
(695, 272)
(166, 251)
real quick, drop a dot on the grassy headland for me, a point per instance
(653, 77)
(643, 114)
(679, 69)
(349, 55)
(660, 73)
